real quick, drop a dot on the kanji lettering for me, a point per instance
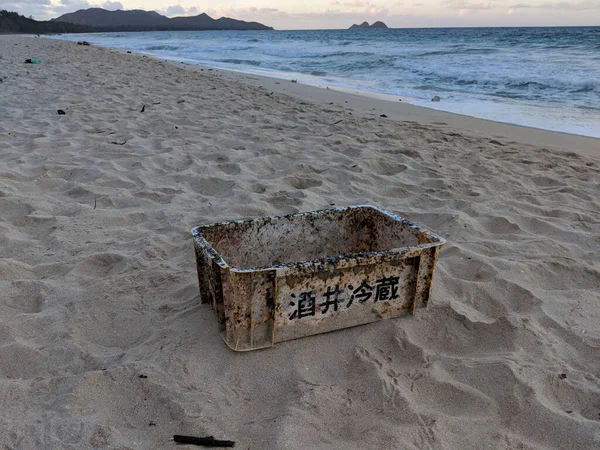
(362, 293)
(387, 288)
(333, 298)
(305, 306)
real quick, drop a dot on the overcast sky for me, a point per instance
(319, 14)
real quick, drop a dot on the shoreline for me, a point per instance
(401, 113)
(369, 104)
(372, 104)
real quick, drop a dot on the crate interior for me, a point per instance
(310, 236)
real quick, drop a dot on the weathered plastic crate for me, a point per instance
(278, 278)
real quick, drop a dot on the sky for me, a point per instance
(323, 14)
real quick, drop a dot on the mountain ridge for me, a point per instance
(141, 20)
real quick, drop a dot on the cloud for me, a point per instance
(465, 5)
(47, 9)
(112, 6)
(324, 19)
(249, 11)
(44, 9)
(175, 10)
(67, 6)
(5, 3)
(35, 8)
(573, 6)
(352, 10)
(364, 7)
(179, 10)
(343, 13)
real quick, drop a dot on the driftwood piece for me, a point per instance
(208, 441)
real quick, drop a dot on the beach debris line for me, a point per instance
(84, 43)
(208, 441)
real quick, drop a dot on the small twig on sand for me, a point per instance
(341, 120)
(95, 199)
(143, 108)
(208, 441)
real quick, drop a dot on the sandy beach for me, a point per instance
(104, 342)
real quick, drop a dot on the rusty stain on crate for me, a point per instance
(273, 279)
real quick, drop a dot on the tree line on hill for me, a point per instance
(12, 22)
(100, 20)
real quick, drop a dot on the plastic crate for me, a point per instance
(273, 279)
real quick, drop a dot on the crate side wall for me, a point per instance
(312, 303)
(250, 310)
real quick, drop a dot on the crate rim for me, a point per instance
(351, 257)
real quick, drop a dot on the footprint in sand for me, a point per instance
(463, 267)
(500, 225)
(24, 296)
(284, 200)
(302, 182)
(101, 265)
(546, 182)
(230, 169)
(213, 186)
(22, 361)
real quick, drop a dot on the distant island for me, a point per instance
(366, 26)
(98, 19)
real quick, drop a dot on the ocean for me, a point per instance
(545, 78)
